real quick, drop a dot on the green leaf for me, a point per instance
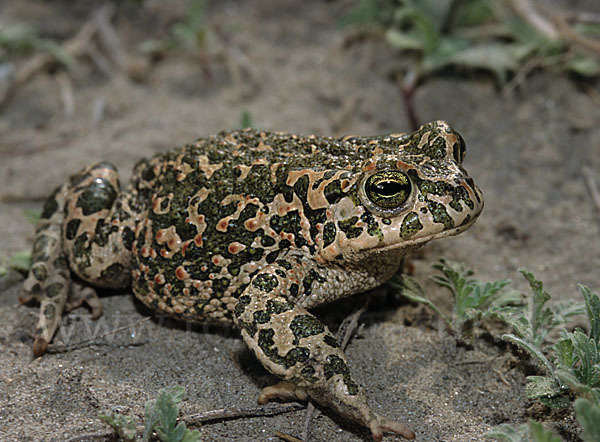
(21, 261)
(584, 66)
(413, 291)
(167, 407)
(122, 424)
(507, 432)
(533, 351)
(564, 351)
(499, 58)
(33, 216)
(540, 434)
(150, 419)
(586, 352)
(542, 318)
(246, 119)
(541, 386)
(403, 40)
(568, 379)
(367, 12)
(588, 415)
(592, 308)
(556, 402)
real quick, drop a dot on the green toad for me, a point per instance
(256, 228)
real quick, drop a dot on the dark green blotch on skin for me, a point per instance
(271, 257)
(410, 225)
(331, 341)
(54, 289)
(265, 282)
(61, 263)
(102, 232)
(461, 194)
(301, 187)
(308, 373)
(266, 344)
(295, 355)
(50, 205)
(250, 327)
(333, 192)
(335, 365)
(40, 248)
(284, 264)
(261, 317)
(372, 225)
(99, 195)
(438, 211)
(241, 305)
(49, 311)
(437, 149)
(277, 307)
(219, 286)
(39, 272)
(309, 279)
(328, 233)
(346, 226)
(303, 326)
(128, 238)
(79, 248)
(148, 174)
(114, 272)
(267, 241)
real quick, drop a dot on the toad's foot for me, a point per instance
(284, 391)
(84, 295)
(287, 392)
(67, 297)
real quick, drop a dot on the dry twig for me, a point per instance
(287, 437)
(73, 47)
(235, 413)
(61, 348)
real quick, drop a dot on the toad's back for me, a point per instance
(219, 209)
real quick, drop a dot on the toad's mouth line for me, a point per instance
(418, 241)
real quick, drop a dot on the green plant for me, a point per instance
(473, 34)
(246, 119)
(191, 33)
(571, 365)
(21, 39)
(122, 424)
(531, 431)
(19, 261)
(160, 416)
(473, 300)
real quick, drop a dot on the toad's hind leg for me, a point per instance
(49, 278)
(85, 225)
(295, 346)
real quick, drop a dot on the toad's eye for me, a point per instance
(387, 190)
(459, 150)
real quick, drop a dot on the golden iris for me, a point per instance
(388, 189)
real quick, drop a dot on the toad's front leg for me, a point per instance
(295, 346)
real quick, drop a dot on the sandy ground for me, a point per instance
(526, 153)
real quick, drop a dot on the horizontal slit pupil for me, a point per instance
(389, 188)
